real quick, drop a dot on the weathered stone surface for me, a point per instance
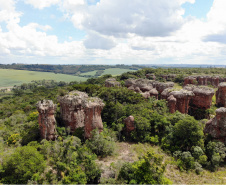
(143, 84)
(172, 103)
(169, 77)
(154, 93)
(145, 94)
(137, 89)
(183, 98)
(204, 80)
(46, 119)
(79, 110)
(216, 127)
(190, 80)
(221, 95)
(161, 86)
(165, 93)
(129, 122)
(202, 98)
(111, 82)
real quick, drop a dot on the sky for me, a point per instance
(113, 32)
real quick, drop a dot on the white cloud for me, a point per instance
(40, 4)
(95, 41)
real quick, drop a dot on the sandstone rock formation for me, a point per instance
(172, 103)
(204, 80)
(129, 122)
(111, 82)
(221, 95)
(79, 110)
(161, 86)
(202, 98)
(154, 93)
(151, 76)
(46, 119)
(183, 98)
(216, 127)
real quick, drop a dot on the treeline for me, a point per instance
(66, 69)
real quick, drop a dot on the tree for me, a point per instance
(23, 165)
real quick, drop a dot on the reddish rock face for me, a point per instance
(46, 119)
(217, 126)
(221, 95)
(172, 103)
(183, 98)
(129, 122)
(202, 98)
(111, 82)
(204, 80)
(189, 80)
(79, 110)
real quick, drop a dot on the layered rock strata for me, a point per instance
(46, 119)
(111, 82)
(79, 110)
(221, 95)
(216, 127)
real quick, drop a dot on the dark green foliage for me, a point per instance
(101, 144)
(216, 153)
(24, 164)
(185, 134)
(148, 170)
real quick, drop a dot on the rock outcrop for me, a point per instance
(111, 82)
(172, 101)
(151, 76)
(144, 85)
(221, 95)
(154, 93)
(204, 80)
(46, 119)
(216, 127)
(129, 123)
(183, 98)
(202, 98)
(79, 110)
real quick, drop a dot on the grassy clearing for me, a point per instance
(9, 77)
(116, 71)
(129, 152)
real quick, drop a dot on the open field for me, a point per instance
(9, 77)
(91, 73)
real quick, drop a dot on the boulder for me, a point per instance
(221, 95)
(146, 95)
(111, 82)
(79, 110)
(46, 119)
(130, 125)
(216, 127)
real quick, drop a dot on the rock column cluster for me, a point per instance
(204, 80)
(79, 110)
(46, 119)
(111, 82)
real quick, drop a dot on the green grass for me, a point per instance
(9, 77)
(116, 71)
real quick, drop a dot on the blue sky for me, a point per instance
(113, 31)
